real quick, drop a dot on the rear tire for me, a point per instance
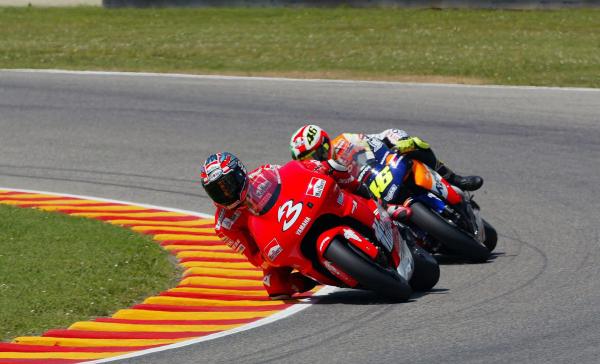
(386, 282)
(491, 236)
(427, 271)
(454, 240)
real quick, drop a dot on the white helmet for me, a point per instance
(310, 142)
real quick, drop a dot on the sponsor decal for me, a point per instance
(439, 186)
(330, 267)
(213, 171)
(390, 195)
(229, 221)
(316, 187)
(350, 234)
(267, 280)
(219, 218)
(323, 242)
(236, 245)
(340, 198)
(336, 272)
(354, 205)
(383, 232)
(273, 249)
(303, 225)
(291, 213)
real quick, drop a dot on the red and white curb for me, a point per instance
(220, 293)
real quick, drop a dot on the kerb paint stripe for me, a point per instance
(219, 294)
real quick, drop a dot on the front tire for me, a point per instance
(491, 236)
(386, 282)
(427, 271)
(454, 240)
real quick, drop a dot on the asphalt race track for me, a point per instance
(143, 139)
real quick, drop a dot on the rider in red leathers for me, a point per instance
(226, 182)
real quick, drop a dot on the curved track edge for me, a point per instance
(220, 294)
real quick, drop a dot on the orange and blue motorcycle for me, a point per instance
(444, 218)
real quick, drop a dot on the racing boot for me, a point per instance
(465, 183)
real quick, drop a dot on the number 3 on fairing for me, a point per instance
(381, 181)
(290, 212)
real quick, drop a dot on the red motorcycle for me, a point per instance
(302, 219)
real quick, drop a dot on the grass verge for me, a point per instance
(558, 48)
(57, 269)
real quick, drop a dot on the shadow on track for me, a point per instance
(362, 297)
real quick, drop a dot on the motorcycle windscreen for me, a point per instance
(263, 190)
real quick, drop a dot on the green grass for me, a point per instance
(559, 48)
(56, 269)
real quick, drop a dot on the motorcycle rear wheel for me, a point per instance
(386, 282)
(454, 240)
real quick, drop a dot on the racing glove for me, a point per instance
(410, 144)
(398, 212)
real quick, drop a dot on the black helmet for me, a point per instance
(225, 179)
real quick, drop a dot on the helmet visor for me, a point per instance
(321, 153)
(227, 189)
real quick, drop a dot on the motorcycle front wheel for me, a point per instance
(491, 236)
(453, 239)
(386, 282)
(427, 270)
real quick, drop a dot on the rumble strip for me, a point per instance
(220, 292)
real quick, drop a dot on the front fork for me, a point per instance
(466, 216)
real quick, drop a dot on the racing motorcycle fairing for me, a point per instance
(351, 236)
(401, 179)
(385, 172)
(427, 178)
(294, 208)
(430, 200)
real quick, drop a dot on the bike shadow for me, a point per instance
(361, 297)
(447, 259)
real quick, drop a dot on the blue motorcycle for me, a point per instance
(444, 218)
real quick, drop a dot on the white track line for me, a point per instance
(193, 213)
(308, 80)
(267, 320)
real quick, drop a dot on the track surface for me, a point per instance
(143, 138)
